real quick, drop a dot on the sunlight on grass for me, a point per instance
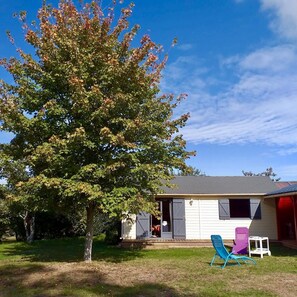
(54, 268)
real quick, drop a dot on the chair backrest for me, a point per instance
(241, 240)
(218, 245)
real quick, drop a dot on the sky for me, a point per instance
(235, 59)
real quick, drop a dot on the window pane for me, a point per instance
(239, 208)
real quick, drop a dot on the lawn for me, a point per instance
(54, 268)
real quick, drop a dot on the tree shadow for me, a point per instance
(40, 280)
(68, 250)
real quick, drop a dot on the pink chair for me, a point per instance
(241, 241)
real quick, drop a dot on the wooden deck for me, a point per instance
(290, 244)
(159, 243)
(168, 243)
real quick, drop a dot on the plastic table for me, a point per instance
(259, 249)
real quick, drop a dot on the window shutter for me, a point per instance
(224, 209)
(178, 216)
(142, 225)
(255, 205)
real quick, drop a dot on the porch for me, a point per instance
(292, 244)
(153, 243)
(158, 243)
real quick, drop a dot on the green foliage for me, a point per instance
(89, 123)
(4, 217)
(190, 171)
(91, 128)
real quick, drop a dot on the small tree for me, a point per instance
(268, 172)
(87, 114)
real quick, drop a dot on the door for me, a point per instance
(162, 226)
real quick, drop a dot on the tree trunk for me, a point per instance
(89, 233)
(29, 223)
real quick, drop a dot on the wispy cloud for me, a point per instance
(283, 16)
(259, 107)
(185, 47)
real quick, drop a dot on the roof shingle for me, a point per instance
(188, 185)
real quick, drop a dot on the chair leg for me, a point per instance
(213, 259)
(225, 263)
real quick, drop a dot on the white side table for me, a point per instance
(259, 248)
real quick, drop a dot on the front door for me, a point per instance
(162, 227)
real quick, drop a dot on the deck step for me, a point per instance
(167, 243)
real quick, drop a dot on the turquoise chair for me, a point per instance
(226, 256)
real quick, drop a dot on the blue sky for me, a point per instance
(236, 60)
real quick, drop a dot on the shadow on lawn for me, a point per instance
(46, 280)
(278, 250)
(68, 250)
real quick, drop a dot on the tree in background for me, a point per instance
(268, 172)
(190, 171)
(89, 123)
(4, 213)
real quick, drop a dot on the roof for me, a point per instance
(291, 190)
(220, 185)
(284, 184)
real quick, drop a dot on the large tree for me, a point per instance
(87, 115)
(190, 171)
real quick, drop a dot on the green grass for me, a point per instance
(54, 268)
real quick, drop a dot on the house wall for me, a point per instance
(202, 220)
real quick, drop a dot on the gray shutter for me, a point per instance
(178, 216)
(224, 209)
(255, 208)
(142, 225)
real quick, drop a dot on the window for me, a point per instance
(239, 208)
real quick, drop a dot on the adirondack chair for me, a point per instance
(241, 241)
(222, 253)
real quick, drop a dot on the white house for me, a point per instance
(203, 205)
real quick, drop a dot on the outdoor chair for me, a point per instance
(222, 253)
(241, 241)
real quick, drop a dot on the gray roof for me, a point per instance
(189, 185)
(292, 189)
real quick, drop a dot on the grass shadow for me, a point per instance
(66, 250)
(42, 280)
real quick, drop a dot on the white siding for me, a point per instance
(192, 211)
(129, 228)
(202, 220)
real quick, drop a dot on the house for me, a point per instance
(203, 205)
(286, 209)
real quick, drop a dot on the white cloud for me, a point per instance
(284, 16)
(270, 59)
(259, 107)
